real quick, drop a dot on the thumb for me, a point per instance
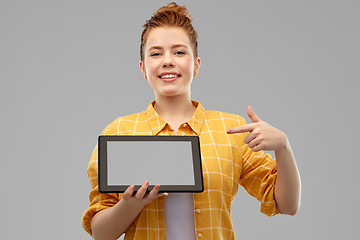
(254, 118)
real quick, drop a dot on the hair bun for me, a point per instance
(171, 15)
(173, 7)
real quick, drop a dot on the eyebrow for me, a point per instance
(173, 46)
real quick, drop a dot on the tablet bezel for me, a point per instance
(102, 164)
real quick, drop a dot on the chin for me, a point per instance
(170, 93)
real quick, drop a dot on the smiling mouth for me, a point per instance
(169, 77)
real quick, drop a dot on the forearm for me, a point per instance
(288, 184)
(112, 222)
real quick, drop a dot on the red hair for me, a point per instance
(171, 15)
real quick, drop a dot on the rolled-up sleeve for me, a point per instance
(258, 177)
(98, 201)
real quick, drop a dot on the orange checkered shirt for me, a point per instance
(226, 162)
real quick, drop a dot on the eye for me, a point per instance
(154, 54)
(180, 52)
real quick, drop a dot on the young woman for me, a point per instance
(231, 150)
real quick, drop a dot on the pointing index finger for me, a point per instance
(241, 129)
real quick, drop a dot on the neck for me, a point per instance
(174, 108)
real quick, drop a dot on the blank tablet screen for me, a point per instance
(159, 162)
(174, 162)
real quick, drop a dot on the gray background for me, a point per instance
(68, 68)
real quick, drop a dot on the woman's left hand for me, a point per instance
(262, 135)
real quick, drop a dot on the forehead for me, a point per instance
(167, 37)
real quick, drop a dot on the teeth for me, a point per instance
(169, 76)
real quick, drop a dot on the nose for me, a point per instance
(168, 60)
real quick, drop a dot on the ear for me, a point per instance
(142, 69)
(197, 66)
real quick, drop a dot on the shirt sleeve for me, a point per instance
(98, 201)
(258, 177)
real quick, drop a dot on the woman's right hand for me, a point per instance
(110, 223)
(141, 198)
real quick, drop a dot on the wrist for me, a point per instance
(132, 204)
(284, 144)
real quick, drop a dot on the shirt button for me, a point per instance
(183, 134)
(184, 125)
(197, 210)
(199, 235)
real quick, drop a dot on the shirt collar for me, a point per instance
(156, 123)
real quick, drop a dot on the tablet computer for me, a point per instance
(173, 162)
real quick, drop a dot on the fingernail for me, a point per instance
(228, 131)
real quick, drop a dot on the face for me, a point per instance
(169, 64)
